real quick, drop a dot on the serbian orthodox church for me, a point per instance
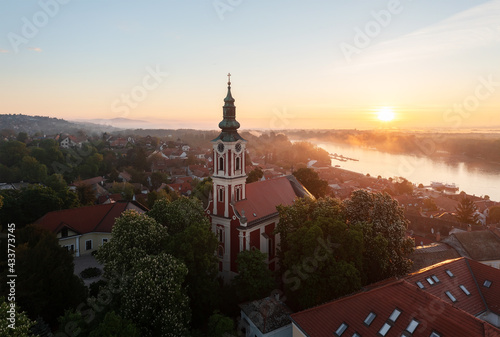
(244, 216)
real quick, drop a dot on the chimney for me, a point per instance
(469, 228)
(438, 236)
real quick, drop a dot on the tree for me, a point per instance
(494, 215)
(177, 215)
(153, 297)
(134, 236)
(59, 185)
(125, 189)
(28, 204)
(430, 204)
(255, 175)
(22, 137)
(202, 190)
(403, 186)
(467, 212)
(113, 325)
(311, 180)
(48, 285)
(85, 194)
(384, 231)
(220, 326)
(21, 322)
(195, 246)
(12, 152)
(320, 255)
(254, 279)
(157, 178)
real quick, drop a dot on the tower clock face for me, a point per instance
(238, 147)
(220, 147)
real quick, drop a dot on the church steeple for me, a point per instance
(229, 125)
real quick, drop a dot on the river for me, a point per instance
(472, 177)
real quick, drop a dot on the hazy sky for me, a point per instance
(295, 64)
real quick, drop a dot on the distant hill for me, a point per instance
(48, 125)
(118, 122)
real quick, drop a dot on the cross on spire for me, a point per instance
(229, 79)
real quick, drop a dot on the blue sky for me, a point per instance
(288, 59)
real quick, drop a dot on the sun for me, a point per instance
(385, 114)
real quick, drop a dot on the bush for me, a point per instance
(90, 272)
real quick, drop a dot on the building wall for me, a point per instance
(80, 246)
(253, 331)
(296, 332)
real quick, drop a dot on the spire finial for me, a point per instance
(228, 78)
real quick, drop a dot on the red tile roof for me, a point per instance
(262, 197)
(91, 181)
(432, 313)
(96, 218)
(491, 294)
(462, 275)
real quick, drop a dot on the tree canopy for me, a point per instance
(466, 212)
(311, 180)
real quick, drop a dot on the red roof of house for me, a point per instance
(262, 197)
(491, 294)
(91, 181)
(432, 314)
(96, 218)
(462, 276)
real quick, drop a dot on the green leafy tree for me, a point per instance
(403, 186)
(22, 322)
(202, 190)
(113, 326)
(255, 175)
(220, 326)
(195, 246)
(22, 137)
(134, 236)
(494, 215)
(12, 152)
(430, 204)
(154, 299)
(28, 204)
(59, 185)
(125, 189)
(152, 296)
(254, 279)
(85, 193)
(177, 215)
(386, 228)
(467, 212)
(47, 286)
(311, 180)
(157, 178)
(32, 171)
(320, 255)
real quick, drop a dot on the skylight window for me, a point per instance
(356, 335)
(342, 328)
(487, 283)
(384, 329)
(420, 285)
(435, 278)
(395, 314)
(412, 326)
(435, 334)
(369, 319)
(431, 282)
(452, 298)
(450, 274)
(465, 290)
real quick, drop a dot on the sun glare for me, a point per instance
(385, 114)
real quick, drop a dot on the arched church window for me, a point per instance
(237, 163)
(221, 163)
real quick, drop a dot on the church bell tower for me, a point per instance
(229, 148)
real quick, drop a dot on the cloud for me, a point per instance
(4, 51)
(37, 49)
(473, 28)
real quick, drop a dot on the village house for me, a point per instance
(83, 230)
(482, 246)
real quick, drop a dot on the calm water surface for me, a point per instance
(474, 178)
